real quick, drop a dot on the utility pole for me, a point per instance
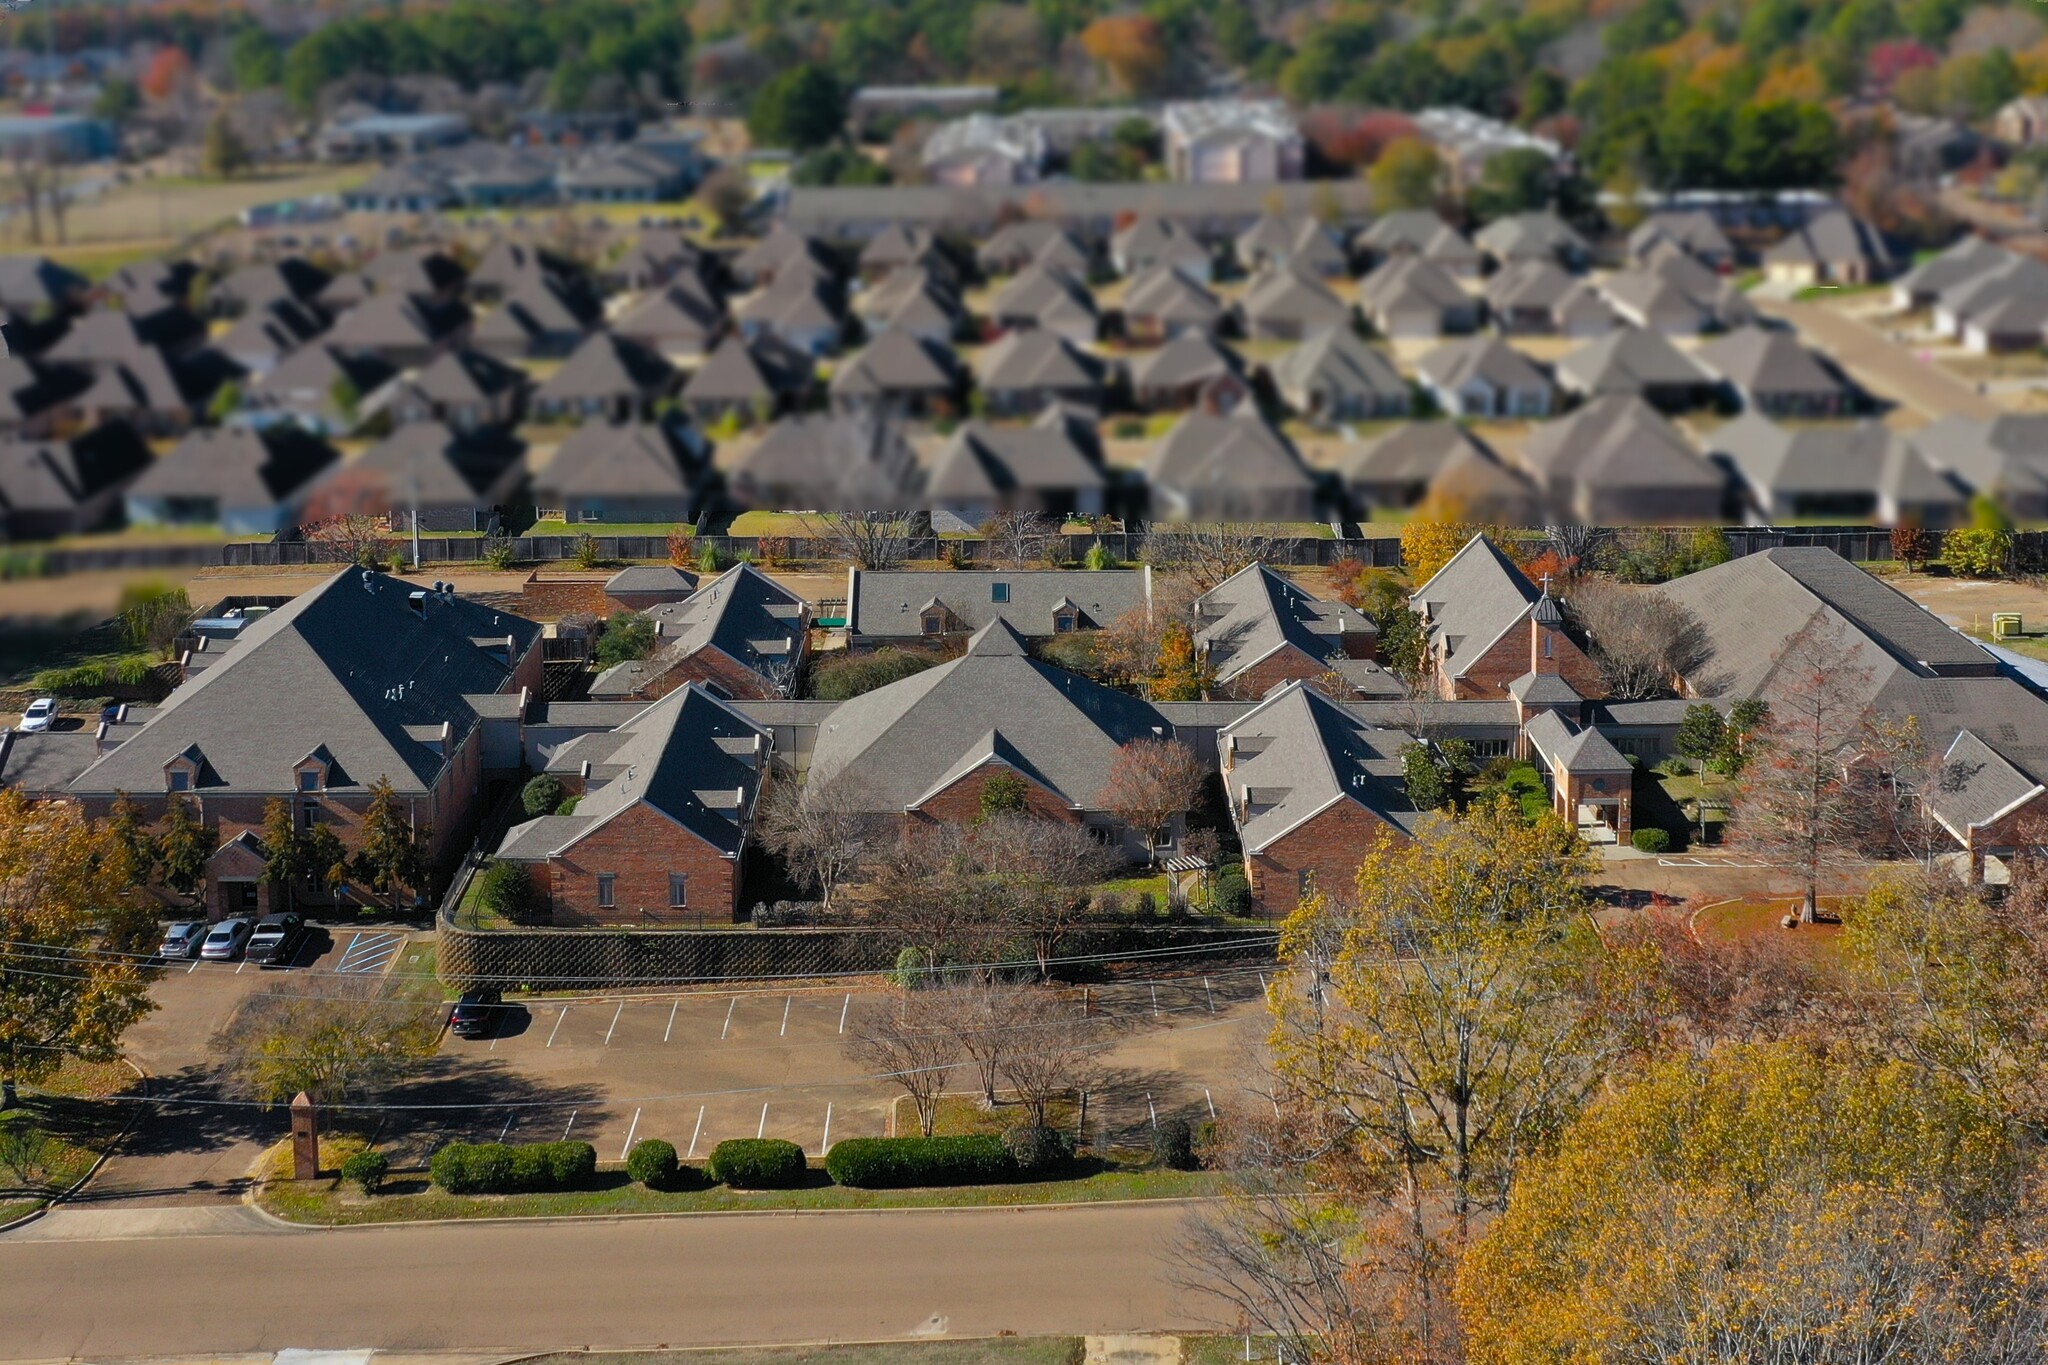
(415, 508)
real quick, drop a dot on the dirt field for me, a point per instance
(165, 209)
(1969, 602)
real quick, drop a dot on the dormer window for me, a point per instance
(309, 780)
(180, 780)
(1065, 621)
(999, 592)
(934, 624)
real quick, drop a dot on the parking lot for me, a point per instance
(695, 1068)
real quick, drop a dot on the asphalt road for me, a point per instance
(751, 1278)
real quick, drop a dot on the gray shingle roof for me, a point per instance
(1297, 754)
(1046, 295)
(746, 370)
(1160, 293)
(1978, 786)
(59, 476)
(1489, 360)
(1628, 361)
(444, 469)
(1421, 233)
(1412, 453)
(240, 467)
(893, 747)
(742, 613)
(1289, 294)
(301, 679)
(887, 603)
(1210, 454)
(1868, 457)
(987, 462)
(1407, 284)
(1760, 362)
(833, 463)
(1693, 231)
(1836, 239)
(1035, 360)
(1247, 617)
(1472, 601)
(1616, 461)
(1191, 358)
(898, 362)
(1342, 364)
(1541, 235)
(599, 460)
(607, 366)
(648, 578)
(1302, 241)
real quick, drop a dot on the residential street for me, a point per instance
(1883, 366)
(538, 1286)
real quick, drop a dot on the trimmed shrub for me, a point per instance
(1036, 1149)
(1233, 892)
(1173, 1144)
(653, 1163)
(851, 675)
(495, 1168)
(540, 796)
(1651, 840)
(367, 1170)
(507, 890)
(893, 1163)
(758, 1164)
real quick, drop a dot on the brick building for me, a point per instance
(1311, 788)
(364, 679)
(1591, 782)
(1258, 630)
(1489, 625)
(742, 633)
(660, 831)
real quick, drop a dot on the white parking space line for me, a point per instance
(508, 1125)
(1155, 1001)
(787, 1000)
(825, 1143)
(570, 1124)
(1212, 1101)
(728, 1018)
(631, 1129)
(558, 1025)
(1152, 1111)
(671, 1020)
(762, 1131)
(696, 1132)
(193, 968)
(239, 965)
(1209, 991)
(842, 1013)
(615, 1023)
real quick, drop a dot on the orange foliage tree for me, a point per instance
(168, 72)
(1132, 46)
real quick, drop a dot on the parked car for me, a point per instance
(476, 1013)
(41, 714)
(275, 940)
(227, 940)
(182, 940)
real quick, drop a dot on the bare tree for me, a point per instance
(823, 834)
(1807, 805)
(1575, 544)
(55, 191)
(1153, 782)
(1129, 647)
(924, 889)
(1208, 553)
(869, 540)
(981, 1017)
(1037, 876)
(353, 538)
(1642, 640)
(1017, 539)
(1051, 1052)
(28, 184)
(903, 1037)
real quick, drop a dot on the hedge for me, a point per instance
(889, 1163)
(758, 1164)
(1651, 840)
(366, 1169)
(495, 1168)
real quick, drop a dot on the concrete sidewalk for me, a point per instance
(69, 1223)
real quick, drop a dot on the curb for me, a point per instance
(547, 1220)
(54, 1200)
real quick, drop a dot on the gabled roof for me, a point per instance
(833, 463)
(1693, 231)
(746, 370)
(606, 366)
(318, 365)
(61, 476)
(1561, 744)
(1340, 362)
(239, 467)
(414, 270)
(252, 286)
(675, 310)
(689, 757)
(2007, 456)
(101, 336)
(1038, 359)
(1486, 360)
(1410, 284)
(1241, 452)
(467, 376)
(397, 320)
(539, 306)
(898, 362)
(1412, 453)
(1978, 786)
(1290, 293)
(1301, 240)
(1969, 257)
(1540, 235)
(1757, 361)
(889, 602)
(301, 677)
(1035, 239)
(1162, 293)
(1472, 601)
(1191, 358)
(1420, 232)
(1529, 282)
(635, 460)
(1628, 360)
(777, 250)
(1835, 238)
(1781, 462)
(1618, 448)
(275, 328)
(644, 578)
(1046, 294)
(802, 302)
(983, 461)
(506, 265)
(893, 747)
(1151, 240)
(441, 468)
(28, 283)
(1298, 754)
(1248, 616)
(742, 613)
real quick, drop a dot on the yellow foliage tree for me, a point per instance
(1132, 46)
(1428, 542)
(1799, 81)
(1763, 1203)
(66, 888)
(1408, 175)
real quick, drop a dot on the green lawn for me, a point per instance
(50, 1140)
(1130, 888)
(412, 1199)
(768, 524)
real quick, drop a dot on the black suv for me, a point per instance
(276, 939)
(476, 1013)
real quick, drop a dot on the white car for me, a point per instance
(225, 943)
(41, 714)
